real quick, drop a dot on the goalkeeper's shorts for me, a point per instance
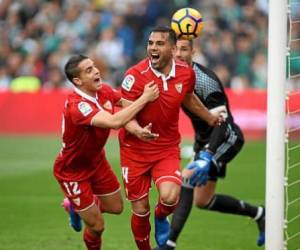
(224, 154)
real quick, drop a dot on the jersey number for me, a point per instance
(125, 174)
(72, 188)
(63, 131)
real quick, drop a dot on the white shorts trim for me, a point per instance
(86, 208)
(140, 215)
(108, 194)
(167, 176)
(170, 205)
(141, 197)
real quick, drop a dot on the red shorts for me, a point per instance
(102, 183)
(137, 176)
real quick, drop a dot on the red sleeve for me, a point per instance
(132, 85)
(116, 95)
(82, 112)
(192, 81)
(113, 94)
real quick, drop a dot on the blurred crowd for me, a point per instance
(38, 36)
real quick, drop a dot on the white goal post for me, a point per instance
(275, 159)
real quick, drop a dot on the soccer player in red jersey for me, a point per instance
(81, 168)
(214, 149)
(158, 160)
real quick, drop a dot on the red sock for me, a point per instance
(141, 227)
(91, 240)
(162, 210)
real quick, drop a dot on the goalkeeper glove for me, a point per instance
(201, 168)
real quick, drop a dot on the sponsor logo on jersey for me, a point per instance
(107, 105)
(128, 82)
(178, 87)
(85, 108)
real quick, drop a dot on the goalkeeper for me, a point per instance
(214, 147)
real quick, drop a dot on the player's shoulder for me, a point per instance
(139, 68)
(105, 88)
(73, 98)
(135, 75)
(76, 100)
(181, 65)
(207, 82)
(107, 92)
(205, 70)
(182, 68)
(76, 104)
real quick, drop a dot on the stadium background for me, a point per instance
(36, 39)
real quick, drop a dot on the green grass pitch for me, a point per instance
(32, 219)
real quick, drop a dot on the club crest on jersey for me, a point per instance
(85, 108)
(128, 82)
(178, 87)
(107, 105)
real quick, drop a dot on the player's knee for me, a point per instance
(169, 199)
(117, 208)
(97, 226)
(169, 194)
(140, 207)
(141, 211)
(99, 230)
(202, 202)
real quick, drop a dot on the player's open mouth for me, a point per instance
(154, 57)
(97, 80)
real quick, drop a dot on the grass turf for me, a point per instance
(32, 219)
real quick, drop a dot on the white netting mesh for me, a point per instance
(292, 170)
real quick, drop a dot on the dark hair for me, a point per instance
(166, 29)
(71, 67)
(191, 43)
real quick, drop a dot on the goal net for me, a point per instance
(283, 127)
(292, 166)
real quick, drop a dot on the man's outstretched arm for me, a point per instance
(193, 104)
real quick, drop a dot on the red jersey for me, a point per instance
(82, 150)
(163, 113)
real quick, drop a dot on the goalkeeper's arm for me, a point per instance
(216, 103)
(217, 137)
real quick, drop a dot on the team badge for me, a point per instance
(85, 108)
(178, 87)
(107, 105)
(128, 82)
(76, 201)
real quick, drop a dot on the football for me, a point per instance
(187, 23)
